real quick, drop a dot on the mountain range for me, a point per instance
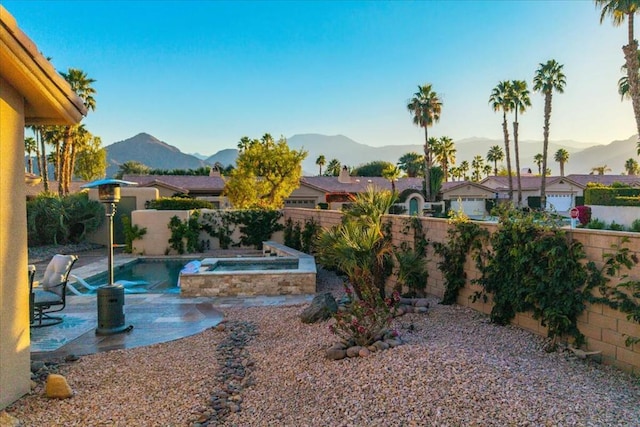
(156, 154)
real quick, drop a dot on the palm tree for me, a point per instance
(81, 85)
(487, 169)
(425, 106)
(562, 157)
(537, 159)
(333, 168)
(455, 173)
(30, 145)
(600, 170)
(495, 155)
(499, 100)
(411, 163)
(464, 168)
(549, 77)
(321, 161)
(623, 83)
(631, 166)
(618, 10)
(519, 98)
(392, 173)
(477, 164)
(444, 151)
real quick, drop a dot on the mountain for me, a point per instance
(199, 156)
(226, 157)
(613, 155)
(149, 151)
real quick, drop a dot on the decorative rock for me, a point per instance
(408, 309)
(7, 420)
(364, 352)
(57, 387)
(420, 309)
(71, 358)
(372, 348)
(421, 302)
(321, 308)
(353, 351)
(392, 343)
(220, 327)
(336, 354)
(37, 365)
(400, 311)
(381, 345)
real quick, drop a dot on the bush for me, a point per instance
(52, 220)
(584, 214)
(596, 224)
(616, 227)
(635, 226)
(178, 204)
(612, 196)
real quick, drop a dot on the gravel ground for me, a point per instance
(454, 368)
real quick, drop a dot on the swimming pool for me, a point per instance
(160, 275)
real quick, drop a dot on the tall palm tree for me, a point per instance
(30, 146)
(631, 166)
(499, 101)
(487, 169)
(321, 161)
(623, 83)
(82, 86)
(618, 10)
(444, 150)
(520, 100)
(392, 173)
(600, 170)
(411, 163)
(464, 168)
(455, 173)
(477, 164)
(549, 78)
(425, 107)
(537, 159)
(495, 155)
(562, 157)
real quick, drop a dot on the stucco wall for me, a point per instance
(624, 215)
(14, 288)
(603, 327)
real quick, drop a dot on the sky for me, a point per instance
(200, 75)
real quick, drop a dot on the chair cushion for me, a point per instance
(42, 297)
(56, 272)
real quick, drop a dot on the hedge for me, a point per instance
(178, 204)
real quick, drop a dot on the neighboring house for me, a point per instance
(31, 93)
(470, 197)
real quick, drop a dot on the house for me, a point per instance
(31, 93)
(472, 198)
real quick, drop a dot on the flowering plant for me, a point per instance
(364, 318)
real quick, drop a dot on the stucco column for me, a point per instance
(15, 376)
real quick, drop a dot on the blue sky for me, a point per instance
(201, 74)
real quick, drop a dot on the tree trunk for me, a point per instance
(507, 152)
(427, 166)
(561, 168)
(515, 146)
(631, 60)
(545, 149)
(44, 172)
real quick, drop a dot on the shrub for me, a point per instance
(584, 214)
(596, 224)
(178, 204)
(616, 227)
(635, 226)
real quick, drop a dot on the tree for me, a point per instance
(495, 155)
(631, 167)
(537, 159)
(91, 162)
(392, 173)
(477, 164)
(623, 83)
(81, 85)
(29, 147)
(618, 10)
(444, 151)
(549, 78)
(464, 168)
(132, 167)
(374, 168)
(519, 98)
(425, 107)
(600, 170)
(499, 101)
(265, 175)
(333, 168)
(321, 161)
(487, 169)
(412, 164)
(562, 157)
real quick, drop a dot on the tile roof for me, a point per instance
(187, 182)
(358, 184)
(584, 179)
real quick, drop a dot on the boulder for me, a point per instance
(336, 353)
(7, 420)
(57, 387)
(321, 308)
(354, 351)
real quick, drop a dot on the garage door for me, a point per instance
(472, 207)
(559, 202)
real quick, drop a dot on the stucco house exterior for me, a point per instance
(31, 93)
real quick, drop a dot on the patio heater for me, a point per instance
(110, 297)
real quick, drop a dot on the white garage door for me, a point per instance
(470, 206)
(559, 202)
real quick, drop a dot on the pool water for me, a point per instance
(161, 275)
(270, 264)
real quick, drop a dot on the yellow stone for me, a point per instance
(57, 387)
(7, 420)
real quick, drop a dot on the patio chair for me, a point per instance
(51, 294)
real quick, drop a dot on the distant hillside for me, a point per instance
(150, 151)
(613, 155)
(226, 157)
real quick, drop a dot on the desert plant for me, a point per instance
(596, 224)
(131, 233)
